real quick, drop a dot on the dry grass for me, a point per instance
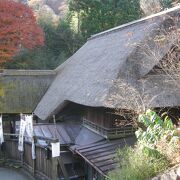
(170, 147)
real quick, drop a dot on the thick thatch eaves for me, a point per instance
(21, 90)
(88, 76)
(150, 91)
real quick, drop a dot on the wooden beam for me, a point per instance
(47, 139)
(63, 168)
(54, 168)
(22, 158)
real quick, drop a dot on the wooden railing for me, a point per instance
(43, 167)
(110, 133)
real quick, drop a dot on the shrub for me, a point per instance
(157, 148)
(156, 128)
(160, 135)
(138, 164)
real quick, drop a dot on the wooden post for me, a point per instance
(63, 168)
(55, 159)
(33, 167)
(22, 153)
(22, 158)
(54, 168)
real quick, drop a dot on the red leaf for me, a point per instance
(18, 28)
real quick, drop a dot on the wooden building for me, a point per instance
(20, 92)
(113, 70)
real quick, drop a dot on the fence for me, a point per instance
(110, 133)
(43, 167)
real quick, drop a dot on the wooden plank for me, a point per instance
(109, 167)
(22, 158)
(97, 155)
(105, 158)
(39, 165)
(54, 168)
(105, 163)
(93, 145)
(101, 150)
(88, 161)
(102, 146)
(63, 168)
(48, 139)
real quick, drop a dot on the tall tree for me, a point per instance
(98, 15)
(18, 29)
(61, 42)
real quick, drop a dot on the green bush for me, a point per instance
(150, 156)
(156, 128)
(138, 164)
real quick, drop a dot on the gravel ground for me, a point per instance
(10, 174)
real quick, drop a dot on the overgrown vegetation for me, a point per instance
(160, 135)
(158, 147)
(135, 164)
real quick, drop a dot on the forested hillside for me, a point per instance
(58, 7)
(68, 23)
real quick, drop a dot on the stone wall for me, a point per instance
(171, 174)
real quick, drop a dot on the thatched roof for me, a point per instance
(21, 90)
(88, 76)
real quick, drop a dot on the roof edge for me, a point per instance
(13, 72)
(133, 22)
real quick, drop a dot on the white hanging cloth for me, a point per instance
(26, 124)
(55, 149)
(29, 126)
(30, 133)
(1, 131)
(21, 133)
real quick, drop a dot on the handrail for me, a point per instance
(126, 130)
(53, 140)
(108, 129)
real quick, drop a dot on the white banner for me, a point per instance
(29, 131)
(21, 133)
(26, 124)
(29, 126)
(55, 149)
(1, 131)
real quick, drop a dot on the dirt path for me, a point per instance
(10, 174)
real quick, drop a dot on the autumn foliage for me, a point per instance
(18, 29)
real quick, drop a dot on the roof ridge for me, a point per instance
(17, 72)
(133, 22)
